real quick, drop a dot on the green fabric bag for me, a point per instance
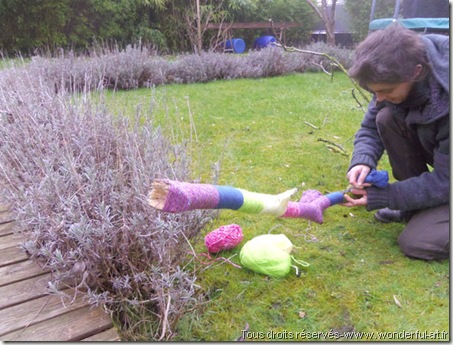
(270, 255)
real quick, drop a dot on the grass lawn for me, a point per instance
(260, 131)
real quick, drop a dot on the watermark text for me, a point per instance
(335, 335)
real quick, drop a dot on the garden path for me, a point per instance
(28, 313)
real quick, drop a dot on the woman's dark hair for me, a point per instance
(389, 56)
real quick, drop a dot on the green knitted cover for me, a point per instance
(268, 254)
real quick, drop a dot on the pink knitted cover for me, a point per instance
(311, 206)
(183, 196)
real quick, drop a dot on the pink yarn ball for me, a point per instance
(224, 238)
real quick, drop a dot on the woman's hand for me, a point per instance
(353, 202)
(357, 175)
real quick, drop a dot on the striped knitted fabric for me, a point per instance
(174, 197)
(312, 205)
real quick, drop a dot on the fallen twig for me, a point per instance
(336, 150)
(316, 127)
(332, 143)
(397, 302)
(311, 125)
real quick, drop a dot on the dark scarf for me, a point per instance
(429, 97)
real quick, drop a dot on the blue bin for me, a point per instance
(264, 41)
(236, 44)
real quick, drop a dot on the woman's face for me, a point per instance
(393, 93)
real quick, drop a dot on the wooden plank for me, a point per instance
(11, 256)
(27, 312)
(20, 271)
(35, 311)
(6, 228)
(5, 217)
(107, 335)
(9, 241)
(73, 326)
(23, 291)
(3, 207)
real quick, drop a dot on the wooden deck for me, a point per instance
(28, 313)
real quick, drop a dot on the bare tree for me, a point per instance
(197, 18)
(327, 16)
(199, 37)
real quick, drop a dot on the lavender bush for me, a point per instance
(77, 180)
(137, 66)
(343, 56)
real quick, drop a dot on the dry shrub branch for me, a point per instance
(77, 180)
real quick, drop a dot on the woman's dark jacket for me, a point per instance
(429, 115)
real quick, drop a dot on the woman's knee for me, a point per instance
(427, 235)
(384, 117)
(421, 250)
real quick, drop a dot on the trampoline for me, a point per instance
(418, 24)
(426, 16)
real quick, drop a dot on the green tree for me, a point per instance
(25, 25)
(28, 25)
(173, 26)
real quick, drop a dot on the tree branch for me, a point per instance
(332, 59)
(327, 56)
